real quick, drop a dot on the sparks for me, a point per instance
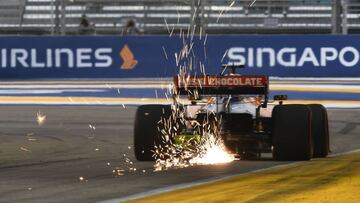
(214, 152)
(24, 149)
(167, 26)
(40, 118)
(210, 150)
(205, 40)
(30, 138)
(172, 31)
(92, 127)
(166, 56)
(225, 10)
(118, 171)
(222, 59)
(252, 3)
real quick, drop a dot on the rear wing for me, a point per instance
(222, 85)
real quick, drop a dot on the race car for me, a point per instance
(237, 108)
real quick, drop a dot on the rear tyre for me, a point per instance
(320, 130)
(291, 133)
(146, 133)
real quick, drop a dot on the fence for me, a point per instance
(174, 16)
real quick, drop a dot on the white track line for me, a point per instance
(208, 181)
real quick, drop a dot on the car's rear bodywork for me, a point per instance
(236, 107)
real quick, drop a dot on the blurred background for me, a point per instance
(113, 17)
(150, 41)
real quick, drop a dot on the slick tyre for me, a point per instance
(146, 133)
(320, 130)
(291, 133)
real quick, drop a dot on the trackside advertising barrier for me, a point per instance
(163, 56)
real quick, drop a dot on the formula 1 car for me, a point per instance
(237, 106)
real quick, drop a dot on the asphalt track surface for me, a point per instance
(332, 92)
(45, 163)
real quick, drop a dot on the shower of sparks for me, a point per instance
(209, 150)
(127, 167)
(252, 3)
(40, 118)
(213, 152)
